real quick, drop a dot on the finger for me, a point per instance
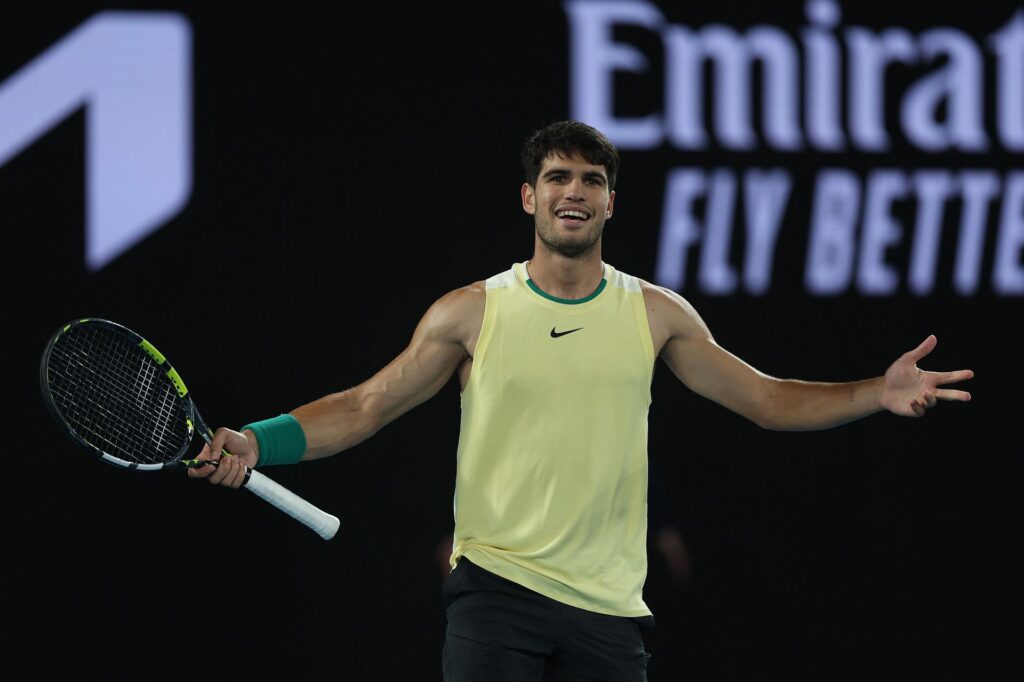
(234, 472)
(239, 477)
(203, 471)
(951, 394)
(219, 438)
(223, 471)
(924, 349)
(929, 399)
(954, 377)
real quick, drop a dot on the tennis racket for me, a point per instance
(119, 398)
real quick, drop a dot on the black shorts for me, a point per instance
(499, 630)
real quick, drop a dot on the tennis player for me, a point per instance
(555, 358)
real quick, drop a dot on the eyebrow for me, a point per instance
(565, 171)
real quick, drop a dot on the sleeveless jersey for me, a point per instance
(551, 482)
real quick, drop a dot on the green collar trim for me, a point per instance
(568, 301)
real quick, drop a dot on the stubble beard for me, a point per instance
(570, 248)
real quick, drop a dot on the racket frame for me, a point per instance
(324, 524)
(192, 417)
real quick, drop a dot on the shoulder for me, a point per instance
(456, 313)
(463, 300)
(662, 301)
(669, 314)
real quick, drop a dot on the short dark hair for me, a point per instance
(567, 138)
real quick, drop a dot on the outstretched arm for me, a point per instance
(788, 404)
(339, 421)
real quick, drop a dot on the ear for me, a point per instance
(611, 206)
(529, 199)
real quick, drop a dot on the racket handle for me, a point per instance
(320, 521)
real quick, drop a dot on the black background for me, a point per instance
(352, 167)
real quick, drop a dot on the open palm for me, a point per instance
(908, 391)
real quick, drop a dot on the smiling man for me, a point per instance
(566, 223)
(555, 358)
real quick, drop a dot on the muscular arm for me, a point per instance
(440, 343)
(443, 340)
(785, 404)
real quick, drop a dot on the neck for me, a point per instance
(564, 277)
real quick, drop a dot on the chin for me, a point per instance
(576, 250)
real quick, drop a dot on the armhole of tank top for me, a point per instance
(645, 327)
(486, 325)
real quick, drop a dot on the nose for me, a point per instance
(574, 190)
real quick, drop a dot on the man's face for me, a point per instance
(569, 205)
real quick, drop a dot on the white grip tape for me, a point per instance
(320, 521)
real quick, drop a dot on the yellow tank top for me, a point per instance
(551, 484)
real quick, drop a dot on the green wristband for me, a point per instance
(281, 440)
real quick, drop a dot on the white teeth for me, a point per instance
(572, 214)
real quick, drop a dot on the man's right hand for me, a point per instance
(230, 470)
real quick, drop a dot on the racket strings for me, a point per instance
(114, 396)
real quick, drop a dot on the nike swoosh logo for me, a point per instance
(555, 334)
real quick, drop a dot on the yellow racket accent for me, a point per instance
(152, 352)
(178, 383)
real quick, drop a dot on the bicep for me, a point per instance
(422, 369)
(417, 374)
(715, 373)
(709, 370)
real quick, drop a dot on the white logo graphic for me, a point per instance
(802, 92)
(132, 73)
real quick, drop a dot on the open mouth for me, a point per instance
(572, 216)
